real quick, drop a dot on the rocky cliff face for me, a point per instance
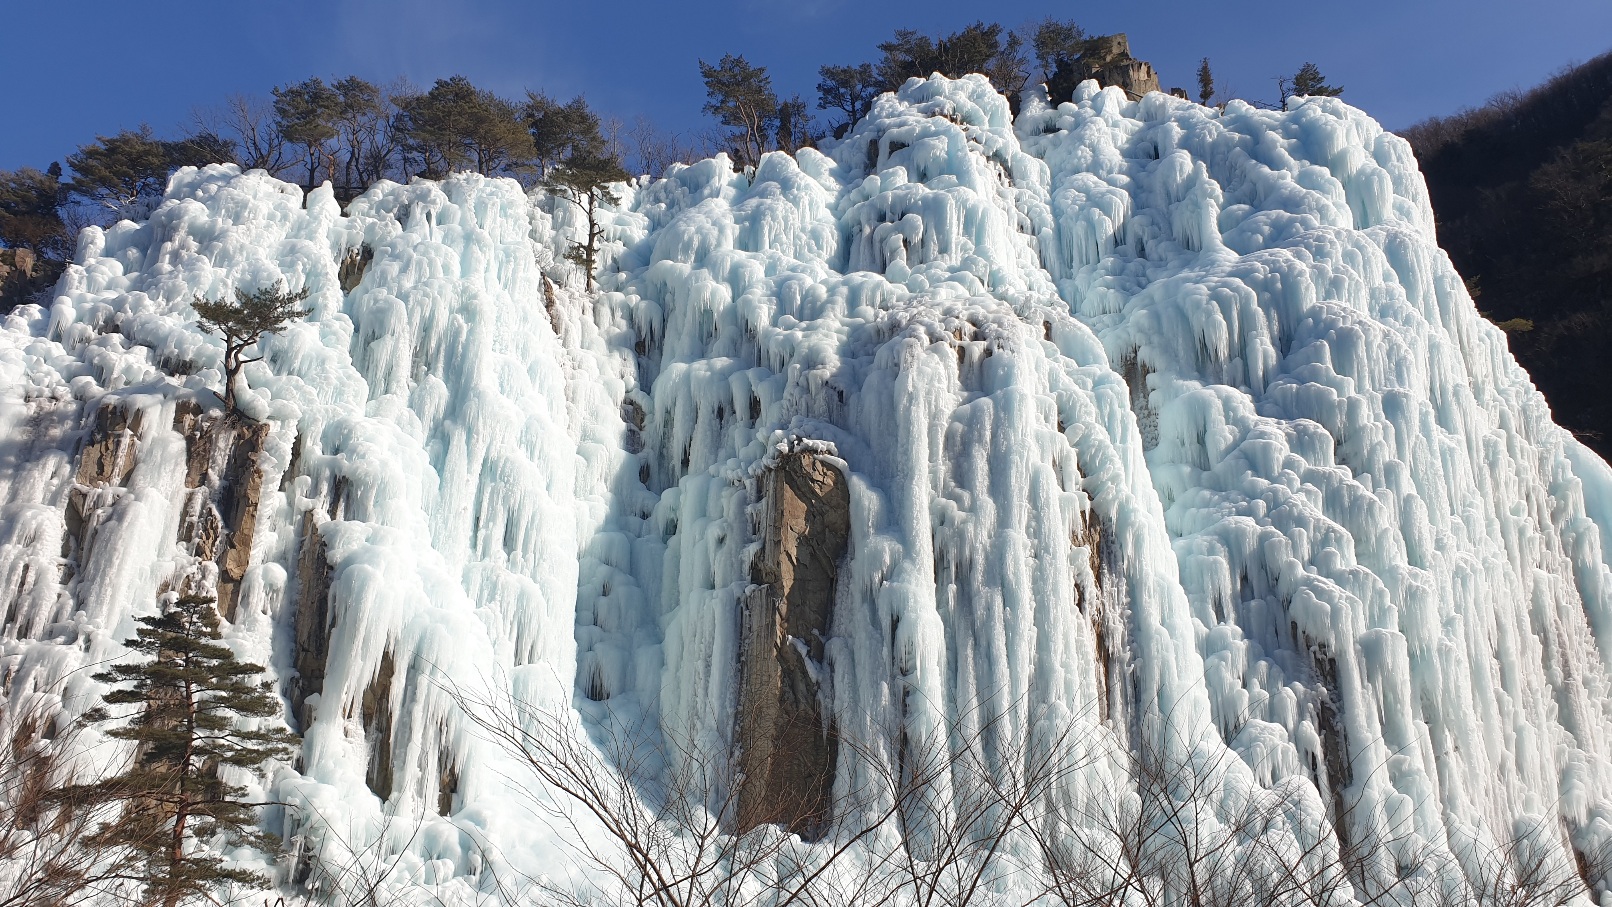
(1134, 424)
(785, 731)
(218, 500)
(1108, 60)
(18, 270)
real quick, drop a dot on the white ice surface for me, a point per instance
(1223, 347)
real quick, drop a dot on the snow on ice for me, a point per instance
(1166, 423)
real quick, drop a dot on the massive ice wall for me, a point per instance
(1164, 423)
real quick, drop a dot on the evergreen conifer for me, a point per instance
(188, 699)
(584, 177)
(794, 125)
(243, 322)
(558, 129)
(120, 170)
(1308, 81)
(848, 89)
(457, 126)
(1206, 82)
(1059, 46)
(741, 98)
(31, 211)
(306, 113)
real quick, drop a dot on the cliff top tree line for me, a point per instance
(353, 132)
(188, 695)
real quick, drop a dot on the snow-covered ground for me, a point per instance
(1165, 424)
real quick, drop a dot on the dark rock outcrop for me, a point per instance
(447, 780)
(19, 276)
(104, 464)
(376, 715)
(312, 620)
(224, 482)
(1106, 58)
(787, 748)
(109, 454)
(1106, 626)
(551, 305)
(353, 265)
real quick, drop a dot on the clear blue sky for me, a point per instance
(73, 70)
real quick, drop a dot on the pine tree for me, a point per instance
(306, 116)
(584, 177)
(31, 212)
(979, 48)
(1206, 82)
(794, 125)
(457, 126)
(741, 97)
(120, 170)
(848, 89)
(1309, 81)
(188, 699)
(117, 171)
(363, 132)
(558, 129)
(1059, 45)
(243, 323)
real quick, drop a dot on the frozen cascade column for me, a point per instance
(403, 511)
(968, 609)
(1387, 604)
(1163, 424)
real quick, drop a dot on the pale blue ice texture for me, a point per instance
(1221, 344)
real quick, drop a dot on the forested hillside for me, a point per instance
(1522, 189)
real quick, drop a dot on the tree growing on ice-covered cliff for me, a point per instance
(30, 212)
(849, 90)
(985, 48)
(794, 125)
(457, 126)
(1058, 45)
(741, 98)
(1307, 82)
(558, 129)
(1206, 82)
(243, 323)
(305, 113)
(584, 178)
(116, 172)
(189, 699)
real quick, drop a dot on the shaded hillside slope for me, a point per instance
(1522, 188)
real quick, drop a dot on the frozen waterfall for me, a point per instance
(1137, 425)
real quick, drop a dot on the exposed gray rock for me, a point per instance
(353, 265)
(312, 622)
(108, 456)
(19, 269)
(1108, 60)
(376, 716)
(787, 747)
(224, 482)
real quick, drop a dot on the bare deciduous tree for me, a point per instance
(1069, 817)
(248, 121)
(43, 823)
(677, 850)
(653, 151)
